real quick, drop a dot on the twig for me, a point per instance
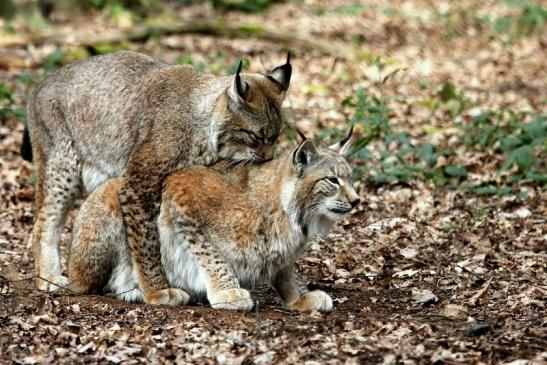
(474, 298)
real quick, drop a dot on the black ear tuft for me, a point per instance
(241, 86)
(301, 135)
(282, 74)
(348, 137)
(344, 146)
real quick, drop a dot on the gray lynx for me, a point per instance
(222, 230)
(130, 116)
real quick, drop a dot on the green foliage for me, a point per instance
(447, 98)
(346, 9)
(104, 48)
(247, 6)
(529, 20)
(25, 79)
(8, 105)
(526, 18)
(53, 60)
(384, 155)
(8, 28)
(457, 19)
(400, 160)
(233, 68)
(117, 8)
(187, 60)
(505, 133)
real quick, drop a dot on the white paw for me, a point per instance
(171, 297)
(313, 300)
(234, 299)
(53, 283)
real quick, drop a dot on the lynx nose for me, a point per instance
(355, 202)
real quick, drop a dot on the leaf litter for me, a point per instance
(418, 274)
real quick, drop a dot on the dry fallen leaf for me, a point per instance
(454, 311)
(424, 296)
(404, 243)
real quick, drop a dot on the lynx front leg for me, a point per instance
(57, 189)
(223, 290)
(140, 195)
(295, 294)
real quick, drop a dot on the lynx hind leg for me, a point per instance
(98, 239)
(222, 286)
(38, 160)
(59, 186)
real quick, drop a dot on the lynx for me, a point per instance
(127, 115)
(223, 230)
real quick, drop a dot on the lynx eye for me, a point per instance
(249, 138)
(333, 180)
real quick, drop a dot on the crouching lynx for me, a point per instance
(127, 115)
(223, 229)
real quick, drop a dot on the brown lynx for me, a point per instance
(127, 115)
(223, 230)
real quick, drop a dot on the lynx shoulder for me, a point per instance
(224, 232)
(127, 115)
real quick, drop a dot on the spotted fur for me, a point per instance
(224, 230)
(127, 115)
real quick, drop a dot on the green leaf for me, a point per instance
(25, 79)
(509, 143)
(523, 157)
(389, 75)
(426, 153)
(485, 190)
(53, 59)
(537, 129)
(502, 24)
(21, 114)
(454, 107)
(455, 171)
(483, 118)
(447, 92)
(185, 60)
(246, 63)
(538, 177)
(5, 92)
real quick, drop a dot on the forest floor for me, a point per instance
(419, 273)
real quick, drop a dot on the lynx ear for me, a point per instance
(281, 75)
(240, 87)
(304, 154)
(343, 147)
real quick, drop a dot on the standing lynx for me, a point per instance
(222, 230)
(125, 114)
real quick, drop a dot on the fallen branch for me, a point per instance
(202, 26)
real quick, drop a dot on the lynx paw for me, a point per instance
(312, 300)
(54, 282)
(235, 299)
(170, 297)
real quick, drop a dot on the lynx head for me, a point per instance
(318, 188)
(253, 114)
